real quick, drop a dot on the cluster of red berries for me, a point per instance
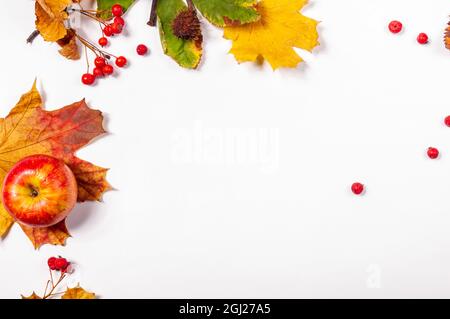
(102, 69)
(58, 263)
(396, 27)
(116, 27)
(102, 66)
(432, 152)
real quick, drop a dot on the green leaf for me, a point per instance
(104, 6)
(187, 53)
(228, 12)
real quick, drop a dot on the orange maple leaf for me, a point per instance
(28, 130)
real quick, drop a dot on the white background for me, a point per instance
(188, 220)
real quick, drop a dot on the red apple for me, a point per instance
(39, 191)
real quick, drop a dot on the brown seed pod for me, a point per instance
(186, 25)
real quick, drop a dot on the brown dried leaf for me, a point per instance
(69, 46)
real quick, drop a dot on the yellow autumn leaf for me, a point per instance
(77, 293)
(273, 38)
(50, 17)
(32, 296)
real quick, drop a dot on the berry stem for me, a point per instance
(87, 59)
(190, 4)
(90, 15)
(33, 36)
(46, 287)
(50, 293)
(152, 21)
(94, 48)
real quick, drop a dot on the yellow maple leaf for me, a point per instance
(77, 293)
(32, 296)
(28, 130)
(281, 28)
(50, 17)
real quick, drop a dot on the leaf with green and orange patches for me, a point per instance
(186, 52)
(50, 18)
(77, 293)
(32, 296)
(222, 13)
(273, 38)
(29, 130)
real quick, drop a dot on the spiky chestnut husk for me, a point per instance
(186, 25)
(447, 37)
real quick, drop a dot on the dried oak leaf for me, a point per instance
(281, 28)
(69, 46)
(29, 129)
(447, 37)
(32, 296)
(50, 18)
(77, 293)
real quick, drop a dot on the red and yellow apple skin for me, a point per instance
(39, 191)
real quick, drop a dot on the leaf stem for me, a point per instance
(153, 14)
(33, 36)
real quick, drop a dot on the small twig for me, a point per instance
(50, 293)
(33, 36)
(92, 16)
(153, 14)
(190, 4)
(46, 287)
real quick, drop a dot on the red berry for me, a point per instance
(141, 49)
(121, 61)
(108, 31)
(447, 121)
(61, 263)
(116, 28)
(422, 38)
(433, 153)
(357, 188)
(119, 20)
(51, 263)
(117, 10)
(98, 73)
(395, 26)
(99, 61)
(88, 79)
(103, 41)
(108, 69)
